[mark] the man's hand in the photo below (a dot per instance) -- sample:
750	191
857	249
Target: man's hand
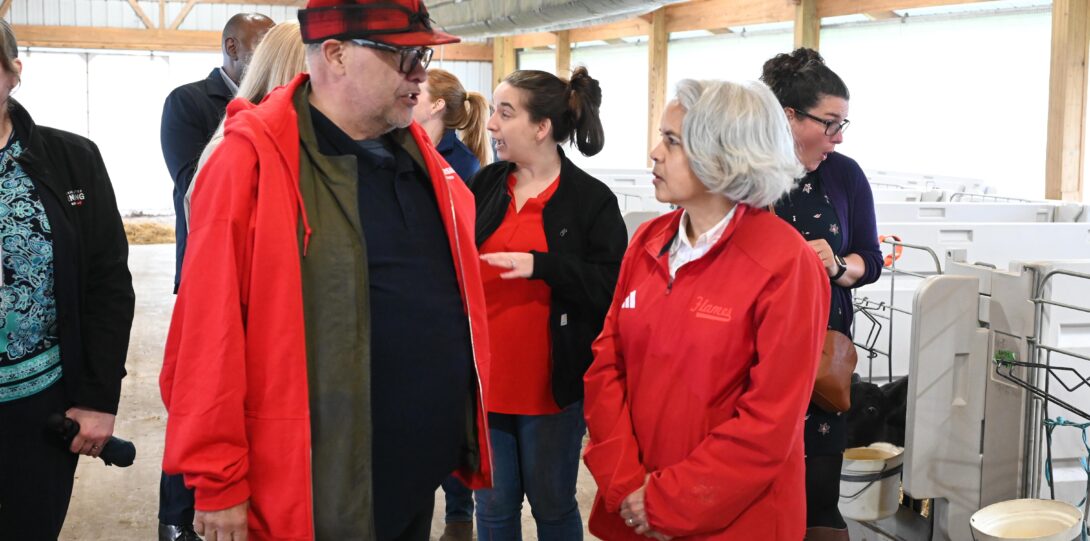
95	429
223	525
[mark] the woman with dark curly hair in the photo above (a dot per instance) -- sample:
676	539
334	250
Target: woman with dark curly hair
832	207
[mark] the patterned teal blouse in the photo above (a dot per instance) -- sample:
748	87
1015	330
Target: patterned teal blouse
30	359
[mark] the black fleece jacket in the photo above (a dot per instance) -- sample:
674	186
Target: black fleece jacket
586	240
92	285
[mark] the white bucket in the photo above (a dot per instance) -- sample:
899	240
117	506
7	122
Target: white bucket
870	481
1027	520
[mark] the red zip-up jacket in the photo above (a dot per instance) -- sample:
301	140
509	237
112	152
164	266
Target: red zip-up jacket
699	384
234	378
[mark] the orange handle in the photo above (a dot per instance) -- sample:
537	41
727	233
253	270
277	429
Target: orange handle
897	250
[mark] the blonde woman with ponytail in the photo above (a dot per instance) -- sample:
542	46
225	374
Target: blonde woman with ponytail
455	119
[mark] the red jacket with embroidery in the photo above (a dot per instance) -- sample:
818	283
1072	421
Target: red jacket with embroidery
234	377
702	383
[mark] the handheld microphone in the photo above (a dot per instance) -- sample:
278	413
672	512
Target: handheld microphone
116	452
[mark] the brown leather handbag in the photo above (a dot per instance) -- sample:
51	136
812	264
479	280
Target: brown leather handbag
833	387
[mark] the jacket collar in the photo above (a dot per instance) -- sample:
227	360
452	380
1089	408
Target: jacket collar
567	171
659	241
35	160
216	85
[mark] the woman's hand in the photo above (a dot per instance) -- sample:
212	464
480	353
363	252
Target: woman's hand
518	264
224	525
825	252
634	513
95	429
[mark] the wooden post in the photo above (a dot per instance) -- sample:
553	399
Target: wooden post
1065	151
183	14
504	59
563	54
140	14
807	24
656	76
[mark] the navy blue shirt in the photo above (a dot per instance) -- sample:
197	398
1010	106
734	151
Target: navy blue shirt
458	155
421	357
849	193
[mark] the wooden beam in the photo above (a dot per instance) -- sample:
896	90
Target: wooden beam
183	14
162	14
80	37
533	41
85	37
656	76
882	15
1066	146
464	52
140	13
620	29
807	24
833	8
708	14
504	59
704	14
717	15
4	7
563	54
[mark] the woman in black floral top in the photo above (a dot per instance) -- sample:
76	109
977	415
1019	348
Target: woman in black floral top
832	207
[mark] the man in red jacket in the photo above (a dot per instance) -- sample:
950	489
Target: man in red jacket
326	358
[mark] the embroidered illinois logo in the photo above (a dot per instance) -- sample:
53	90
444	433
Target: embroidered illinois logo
704	309
76	197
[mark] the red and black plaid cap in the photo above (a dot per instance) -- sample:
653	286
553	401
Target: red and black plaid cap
404	23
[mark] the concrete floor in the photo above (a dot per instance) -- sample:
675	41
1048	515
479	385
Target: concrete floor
114	504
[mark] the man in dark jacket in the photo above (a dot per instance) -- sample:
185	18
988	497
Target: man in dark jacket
191	114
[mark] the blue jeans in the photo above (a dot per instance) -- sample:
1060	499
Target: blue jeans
459	500
536	456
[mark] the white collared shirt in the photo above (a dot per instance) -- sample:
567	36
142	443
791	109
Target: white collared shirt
230	84
682	253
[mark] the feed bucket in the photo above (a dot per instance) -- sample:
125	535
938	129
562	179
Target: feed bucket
1027	520
870	481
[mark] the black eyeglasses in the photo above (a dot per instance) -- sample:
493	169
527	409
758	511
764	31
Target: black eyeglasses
832	127
410	56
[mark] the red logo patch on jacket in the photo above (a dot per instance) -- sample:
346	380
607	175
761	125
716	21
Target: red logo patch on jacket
703	308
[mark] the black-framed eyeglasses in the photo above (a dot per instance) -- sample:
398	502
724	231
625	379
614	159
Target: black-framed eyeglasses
410	56
832	127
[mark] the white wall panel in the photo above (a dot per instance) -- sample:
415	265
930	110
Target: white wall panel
54	89
70	11
98	12
35	14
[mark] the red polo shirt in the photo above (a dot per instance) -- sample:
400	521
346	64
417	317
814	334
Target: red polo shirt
518	315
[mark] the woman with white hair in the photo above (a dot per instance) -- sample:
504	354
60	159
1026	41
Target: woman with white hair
704	369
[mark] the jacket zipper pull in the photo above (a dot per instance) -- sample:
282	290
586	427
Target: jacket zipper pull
670	285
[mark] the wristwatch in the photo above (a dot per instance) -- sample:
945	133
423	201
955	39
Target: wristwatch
842	267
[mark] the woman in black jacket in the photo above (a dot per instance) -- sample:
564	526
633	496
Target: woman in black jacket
66	303
552	239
